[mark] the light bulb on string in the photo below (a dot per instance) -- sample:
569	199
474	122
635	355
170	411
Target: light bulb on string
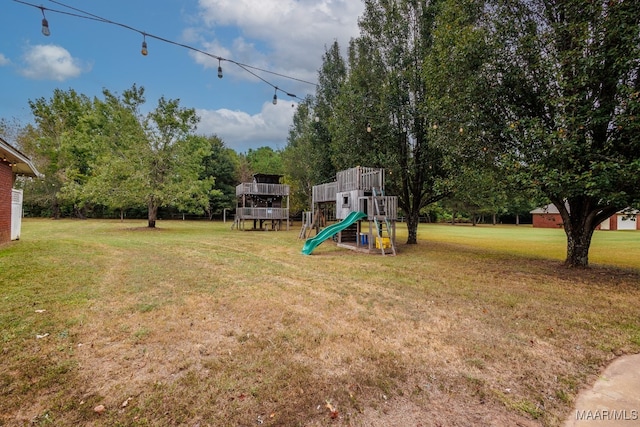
45	25
369	127
144	50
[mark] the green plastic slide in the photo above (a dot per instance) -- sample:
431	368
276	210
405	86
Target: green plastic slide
311	243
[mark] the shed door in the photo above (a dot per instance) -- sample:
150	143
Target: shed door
16	213
626	222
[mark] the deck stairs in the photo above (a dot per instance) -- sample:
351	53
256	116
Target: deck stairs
382	225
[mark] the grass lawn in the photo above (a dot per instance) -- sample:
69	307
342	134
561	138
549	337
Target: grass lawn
108	323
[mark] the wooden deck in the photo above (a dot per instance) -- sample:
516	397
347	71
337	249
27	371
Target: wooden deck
262	213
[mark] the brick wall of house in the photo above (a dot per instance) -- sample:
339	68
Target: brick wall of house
6	184
547	220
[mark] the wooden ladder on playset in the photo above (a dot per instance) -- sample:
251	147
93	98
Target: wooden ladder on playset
384	240
307	225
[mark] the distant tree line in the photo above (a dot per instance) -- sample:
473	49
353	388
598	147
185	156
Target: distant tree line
102	157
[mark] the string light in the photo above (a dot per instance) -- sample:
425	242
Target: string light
369	127
45	24
144	50
246	67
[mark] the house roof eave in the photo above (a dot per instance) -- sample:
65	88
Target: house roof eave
21	165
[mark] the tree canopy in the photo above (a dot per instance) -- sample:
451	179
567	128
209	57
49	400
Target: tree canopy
566	78
487	102
394	104
106	152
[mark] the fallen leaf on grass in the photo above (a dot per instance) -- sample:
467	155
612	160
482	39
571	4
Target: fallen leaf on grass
333	412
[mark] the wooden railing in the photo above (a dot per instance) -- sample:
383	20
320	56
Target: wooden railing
262	188
325	192
388	206
360	178
262	213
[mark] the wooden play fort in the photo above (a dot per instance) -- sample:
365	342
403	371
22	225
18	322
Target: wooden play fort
263	202
365	216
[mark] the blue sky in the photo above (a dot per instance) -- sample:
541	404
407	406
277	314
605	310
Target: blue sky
287	37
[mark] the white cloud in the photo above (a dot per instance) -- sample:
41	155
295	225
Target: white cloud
287	37
241	131
50	62
211	47
295	32
4	60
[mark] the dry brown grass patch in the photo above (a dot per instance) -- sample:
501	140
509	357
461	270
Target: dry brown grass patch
199	325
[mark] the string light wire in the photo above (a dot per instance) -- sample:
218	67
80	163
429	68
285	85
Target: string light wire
79	13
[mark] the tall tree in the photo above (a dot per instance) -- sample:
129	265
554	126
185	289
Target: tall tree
59	154
391	112
155	158
115	126
220	165
331	78
10	130
308	157
567	78
300	169
265	160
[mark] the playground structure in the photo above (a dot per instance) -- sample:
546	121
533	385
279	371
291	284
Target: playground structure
265	201
366	216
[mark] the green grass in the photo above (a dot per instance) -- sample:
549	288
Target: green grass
193	323
613	248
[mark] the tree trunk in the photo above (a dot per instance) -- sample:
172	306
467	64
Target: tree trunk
578	225
413	219
80	212
153	214
578	243
580	218
55	209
